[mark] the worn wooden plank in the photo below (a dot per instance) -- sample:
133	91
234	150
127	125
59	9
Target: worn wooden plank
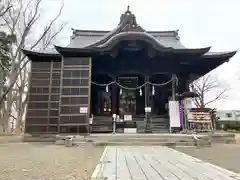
123	171
144	164
160	167
186	165
133	164
109	161
199	166
164	158
178	167
159	163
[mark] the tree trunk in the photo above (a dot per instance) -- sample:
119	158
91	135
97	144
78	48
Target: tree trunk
9	102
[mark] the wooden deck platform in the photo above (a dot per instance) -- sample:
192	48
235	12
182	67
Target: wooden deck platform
155	163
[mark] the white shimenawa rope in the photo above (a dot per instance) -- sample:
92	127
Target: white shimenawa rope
138	87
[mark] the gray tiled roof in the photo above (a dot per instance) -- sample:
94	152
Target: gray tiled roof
81	38
128	28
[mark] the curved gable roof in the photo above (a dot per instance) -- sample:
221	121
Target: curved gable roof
88	42
84	38
128	23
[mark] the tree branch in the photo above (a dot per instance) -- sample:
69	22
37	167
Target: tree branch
47	29
4	8
204	85
217	97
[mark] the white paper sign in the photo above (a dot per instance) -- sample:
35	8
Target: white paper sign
83	110
91	120
148	109
130	130
127	117
174	114
187	103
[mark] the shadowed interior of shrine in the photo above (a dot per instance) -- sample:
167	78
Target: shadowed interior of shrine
120	84
128	98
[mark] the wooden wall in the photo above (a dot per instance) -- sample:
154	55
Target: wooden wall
57	91
75	92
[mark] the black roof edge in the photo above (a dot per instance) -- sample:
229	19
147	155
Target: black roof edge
61	49
35	53
199	51
229	55
196	51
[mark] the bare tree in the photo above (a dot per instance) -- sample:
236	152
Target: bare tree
5	6
51	36
209	90
22	21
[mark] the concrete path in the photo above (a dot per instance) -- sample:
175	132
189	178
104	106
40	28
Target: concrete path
155	163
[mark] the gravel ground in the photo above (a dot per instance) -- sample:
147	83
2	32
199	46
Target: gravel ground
223	155
25	161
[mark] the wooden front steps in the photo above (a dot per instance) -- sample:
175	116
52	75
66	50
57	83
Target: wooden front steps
170	140
102	124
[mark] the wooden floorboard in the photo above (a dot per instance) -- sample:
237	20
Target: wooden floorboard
158	163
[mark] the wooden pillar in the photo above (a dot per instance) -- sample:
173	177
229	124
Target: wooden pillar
174	87
114	98
146	92
148	128
183	85
187	88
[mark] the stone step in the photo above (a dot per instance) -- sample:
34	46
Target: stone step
136	143
159	127
102	129
163	131
150	140
166	128
102	118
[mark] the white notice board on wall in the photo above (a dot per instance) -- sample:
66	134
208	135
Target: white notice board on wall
174	114
83	110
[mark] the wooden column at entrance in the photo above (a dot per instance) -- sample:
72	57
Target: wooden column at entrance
114	98
174	87
148	128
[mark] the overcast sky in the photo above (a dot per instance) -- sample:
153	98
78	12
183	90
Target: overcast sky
202	23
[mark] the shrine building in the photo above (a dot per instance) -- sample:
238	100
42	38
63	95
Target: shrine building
123	71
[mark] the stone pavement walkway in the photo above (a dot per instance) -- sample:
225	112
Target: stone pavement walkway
155	163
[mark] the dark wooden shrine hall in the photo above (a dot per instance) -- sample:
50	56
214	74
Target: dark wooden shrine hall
101	73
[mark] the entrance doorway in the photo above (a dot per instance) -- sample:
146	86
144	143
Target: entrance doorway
101	96
127	96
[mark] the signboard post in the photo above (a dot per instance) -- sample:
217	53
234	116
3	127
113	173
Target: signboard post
114	123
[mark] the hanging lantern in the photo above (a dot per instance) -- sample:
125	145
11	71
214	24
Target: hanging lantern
120	91
107	88
153	90
140	92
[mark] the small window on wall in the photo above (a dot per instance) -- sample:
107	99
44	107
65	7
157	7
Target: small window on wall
228	115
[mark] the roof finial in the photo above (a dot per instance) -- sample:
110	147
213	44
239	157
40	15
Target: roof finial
128	8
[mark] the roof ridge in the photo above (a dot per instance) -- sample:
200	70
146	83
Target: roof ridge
106	31
101	33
